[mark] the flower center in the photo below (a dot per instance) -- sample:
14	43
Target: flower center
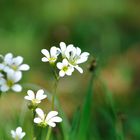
52	59
65	68
35	101
14	67
43	124
10	83
17	137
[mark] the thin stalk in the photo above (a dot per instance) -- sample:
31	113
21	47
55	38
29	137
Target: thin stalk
49	133
53	100
34	131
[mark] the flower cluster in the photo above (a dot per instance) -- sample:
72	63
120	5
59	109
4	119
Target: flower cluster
71	58
11	72
42	119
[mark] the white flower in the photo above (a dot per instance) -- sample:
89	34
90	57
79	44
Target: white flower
75	57
17	134
14	63
50	119
10	83
52	56
65	68
35	99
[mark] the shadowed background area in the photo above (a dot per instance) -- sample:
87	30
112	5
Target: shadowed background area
108	29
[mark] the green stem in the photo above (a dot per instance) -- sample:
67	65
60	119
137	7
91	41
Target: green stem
34	137
49	133
53	102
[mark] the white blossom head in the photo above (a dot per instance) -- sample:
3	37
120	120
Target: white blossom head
75	57
11	82
51	56
35	99
50	119
18	134
14	63
65	68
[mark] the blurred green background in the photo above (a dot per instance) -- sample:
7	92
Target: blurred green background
108	29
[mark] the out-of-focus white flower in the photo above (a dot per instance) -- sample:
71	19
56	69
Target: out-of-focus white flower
35	99
75	57
65	68
18	134
15	63
10	83
51	56
50	119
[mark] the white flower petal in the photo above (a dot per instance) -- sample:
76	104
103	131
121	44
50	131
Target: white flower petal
24	67
79	69
18	131
17	60
22	135
45	59
56	119
2	81
5	88
8	58
37	120
61	73
46	53
81	60
14	76
59	65
40	113
31	94
69	71
71	50
65	62
85	54
63	49
2	66
52	124
28	98
62	46
50	115
17	88
17	76
54	52
13	133
7	69
40	95
78	51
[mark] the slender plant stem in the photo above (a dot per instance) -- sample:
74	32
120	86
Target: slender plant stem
34	137
53	101
49	133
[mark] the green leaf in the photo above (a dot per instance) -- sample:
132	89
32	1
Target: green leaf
86	113
75	124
